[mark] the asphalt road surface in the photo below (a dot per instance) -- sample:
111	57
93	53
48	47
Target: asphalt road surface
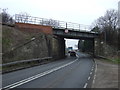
72	72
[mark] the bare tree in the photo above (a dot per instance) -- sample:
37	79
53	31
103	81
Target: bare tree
108	25
6	18
109	20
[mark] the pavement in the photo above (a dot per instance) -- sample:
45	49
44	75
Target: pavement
72	72
106	75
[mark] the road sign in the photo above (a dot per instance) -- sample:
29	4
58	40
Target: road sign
66	31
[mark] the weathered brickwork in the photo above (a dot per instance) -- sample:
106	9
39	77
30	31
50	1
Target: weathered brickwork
34	28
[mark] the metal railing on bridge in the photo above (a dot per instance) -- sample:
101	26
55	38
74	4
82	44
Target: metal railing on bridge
50	22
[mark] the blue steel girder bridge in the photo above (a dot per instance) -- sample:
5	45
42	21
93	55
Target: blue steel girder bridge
60	28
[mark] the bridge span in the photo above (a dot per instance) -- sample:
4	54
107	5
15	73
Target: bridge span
58	29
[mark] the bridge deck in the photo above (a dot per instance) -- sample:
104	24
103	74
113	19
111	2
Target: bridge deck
74	34
57	27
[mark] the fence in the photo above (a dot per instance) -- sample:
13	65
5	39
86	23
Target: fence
50	22
25	61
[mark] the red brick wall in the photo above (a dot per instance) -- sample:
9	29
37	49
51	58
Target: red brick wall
34	28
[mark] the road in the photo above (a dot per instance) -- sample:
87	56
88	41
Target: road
72	72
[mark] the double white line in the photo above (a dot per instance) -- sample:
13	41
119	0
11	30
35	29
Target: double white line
36	76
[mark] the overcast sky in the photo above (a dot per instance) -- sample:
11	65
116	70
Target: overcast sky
77	11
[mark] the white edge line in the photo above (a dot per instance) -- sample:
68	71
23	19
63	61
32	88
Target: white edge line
93	81
36	76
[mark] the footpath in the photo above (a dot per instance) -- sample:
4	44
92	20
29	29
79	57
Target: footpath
106	75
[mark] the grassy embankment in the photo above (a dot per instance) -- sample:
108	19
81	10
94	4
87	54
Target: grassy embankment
12	40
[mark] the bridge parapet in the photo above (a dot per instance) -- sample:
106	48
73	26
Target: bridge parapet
50	22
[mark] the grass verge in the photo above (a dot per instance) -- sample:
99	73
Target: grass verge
114	61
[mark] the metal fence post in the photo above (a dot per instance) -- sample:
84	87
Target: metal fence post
66	25
79	27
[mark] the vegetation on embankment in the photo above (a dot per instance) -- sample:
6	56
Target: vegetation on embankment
12	37
22	45
112	60
115	60
108	43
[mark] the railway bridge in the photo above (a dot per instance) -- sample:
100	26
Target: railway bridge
58	29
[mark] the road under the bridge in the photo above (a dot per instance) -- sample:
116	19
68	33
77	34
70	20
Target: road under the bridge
71	72
60	47
56	45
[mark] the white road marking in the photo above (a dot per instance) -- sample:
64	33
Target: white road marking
77	56
96	68
90	73
89	78
36	76
94	79
85	85
95	75
92	69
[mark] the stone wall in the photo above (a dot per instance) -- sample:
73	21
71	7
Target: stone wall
38	48
58	47
22	44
